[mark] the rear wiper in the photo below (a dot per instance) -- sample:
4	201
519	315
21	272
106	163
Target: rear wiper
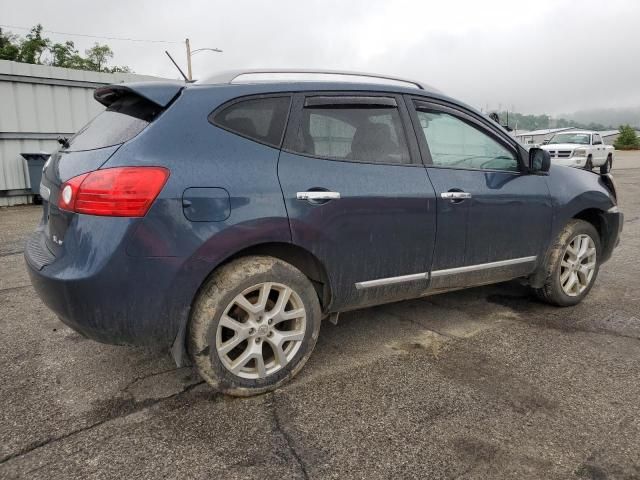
64	141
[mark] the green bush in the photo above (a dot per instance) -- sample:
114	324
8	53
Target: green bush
628	139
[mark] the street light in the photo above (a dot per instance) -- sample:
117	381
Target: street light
191	53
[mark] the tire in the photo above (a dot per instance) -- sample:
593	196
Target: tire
606	168
234	348
589	164
558	263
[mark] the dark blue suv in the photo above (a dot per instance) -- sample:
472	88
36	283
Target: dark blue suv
227	217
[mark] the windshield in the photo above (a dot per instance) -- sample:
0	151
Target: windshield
579	138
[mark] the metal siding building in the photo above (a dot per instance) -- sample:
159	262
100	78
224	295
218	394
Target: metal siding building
536	137
38	103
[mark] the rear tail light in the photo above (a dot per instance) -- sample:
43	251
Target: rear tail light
115	192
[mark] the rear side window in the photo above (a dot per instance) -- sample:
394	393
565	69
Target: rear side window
353	132
121	121
259	119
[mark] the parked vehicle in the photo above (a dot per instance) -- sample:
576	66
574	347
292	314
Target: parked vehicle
228	217
582	149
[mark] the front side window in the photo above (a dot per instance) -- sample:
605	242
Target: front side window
260	119
353	132
597	140
454	143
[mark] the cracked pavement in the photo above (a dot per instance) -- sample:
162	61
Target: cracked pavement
483	383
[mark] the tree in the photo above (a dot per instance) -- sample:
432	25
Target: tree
9	48
32	48
98	56
35	48
120	69
66	55
627	139
537	122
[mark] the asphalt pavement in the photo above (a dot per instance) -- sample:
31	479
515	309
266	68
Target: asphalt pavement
483	383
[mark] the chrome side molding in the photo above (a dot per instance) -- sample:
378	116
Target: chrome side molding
392	280
380	282
482	266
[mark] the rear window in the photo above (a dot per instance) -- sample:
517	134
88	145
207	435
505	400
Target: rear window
121	121
259	119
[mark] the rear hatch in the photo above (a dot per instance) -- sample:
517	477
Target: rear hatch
130	109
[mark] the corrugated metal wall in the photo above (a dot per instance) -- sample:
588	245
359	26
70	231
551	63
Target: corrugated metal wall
37	104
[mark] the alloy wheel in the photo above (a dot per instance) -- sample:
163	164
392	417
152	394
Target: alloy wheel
261	330
578	265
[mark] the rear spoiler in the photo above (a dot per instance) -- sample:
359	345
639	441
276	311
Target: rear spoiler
158	93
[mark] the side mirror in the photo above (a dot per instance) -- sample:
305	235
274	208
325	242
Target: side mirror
539	160
546	142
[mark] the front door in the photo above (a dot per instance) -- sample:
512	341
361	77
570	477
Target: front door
494	219
358	197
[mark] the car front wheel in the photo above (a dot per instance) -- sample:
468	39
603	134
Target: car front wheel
254	325
572	265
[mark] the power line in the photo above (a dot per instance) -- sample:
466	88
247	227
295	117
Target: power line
101	37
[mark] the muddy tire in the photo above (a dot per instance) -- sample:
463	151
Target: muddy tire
572	265
254	324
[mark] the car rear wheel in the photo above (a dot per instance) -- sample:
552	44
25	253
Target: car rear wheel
253	326
572	265
606	168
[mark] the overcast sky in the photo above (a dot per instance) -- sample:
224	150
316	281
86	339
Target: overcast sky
538	56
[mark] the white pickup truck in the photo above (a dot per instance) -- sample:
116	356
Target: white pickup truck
582	149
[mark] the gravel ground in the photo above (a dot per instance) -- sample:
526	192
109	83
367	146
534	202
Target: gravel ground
484	383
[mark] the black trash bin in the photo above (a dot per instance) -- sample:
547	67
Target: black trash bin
35	164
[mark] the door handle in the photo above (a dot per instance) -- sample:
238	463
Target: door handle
453	196
318	195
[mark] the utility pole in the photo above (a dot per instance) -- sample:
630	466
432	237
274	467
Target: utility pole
189	74
191	53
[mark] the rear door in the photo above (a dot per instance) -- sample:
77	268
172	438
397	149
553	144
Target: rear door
494	219
358	196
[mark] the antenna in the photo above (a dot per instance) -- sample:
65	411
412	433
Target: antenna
179	69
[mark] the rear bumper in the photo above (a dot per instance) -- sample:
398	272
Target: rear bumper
100	309
108	296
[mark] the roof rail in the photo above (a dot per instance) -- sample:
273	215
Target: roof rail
233	76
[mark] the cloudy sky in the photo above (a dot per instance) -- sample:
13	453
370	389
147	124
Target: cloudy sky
542	56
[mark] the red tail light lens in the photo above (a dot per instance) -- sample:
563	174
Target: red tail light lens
114	192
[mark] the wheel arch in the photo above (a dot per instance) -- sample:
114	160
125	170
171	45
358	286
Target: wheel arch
593	216
300	258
